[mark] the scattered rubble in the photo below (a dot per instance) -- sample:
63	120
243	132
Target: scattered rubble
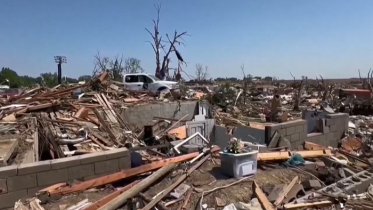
181	164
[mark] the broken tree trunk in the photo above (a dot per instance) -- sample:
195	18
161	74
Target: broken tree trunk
122	199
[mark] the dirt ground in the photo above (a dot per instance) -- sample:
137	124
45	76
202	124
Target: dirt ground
207	177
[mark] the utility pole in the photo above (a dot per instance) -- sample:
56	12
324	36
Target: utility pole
59	60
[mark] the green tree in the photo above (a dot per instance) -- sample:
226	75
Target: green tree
9	76
27	81
49	79
132	65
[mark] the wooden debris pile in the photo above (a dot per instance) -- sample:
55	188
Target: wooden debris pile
74	119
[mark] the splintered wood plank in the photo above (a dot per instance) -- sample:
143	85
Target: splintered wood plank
262	197
114	177
287	189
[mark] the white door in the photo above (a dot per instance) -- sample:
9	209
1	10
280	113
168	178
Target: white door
133	83
149	83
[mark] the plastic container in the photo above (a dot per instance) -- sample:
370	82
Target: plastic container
239	165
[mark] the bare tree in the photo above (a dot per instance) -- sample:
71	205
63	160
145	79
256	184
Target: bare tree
114	66
325	87
366	83
298	93
201	72
101	63
245	82
132	65
162	70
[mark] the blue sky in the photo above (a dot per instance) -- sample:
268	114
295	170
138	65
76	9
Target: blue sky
270	37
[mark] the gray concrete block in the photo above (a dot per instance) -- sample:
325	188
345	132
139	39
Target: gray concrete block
16	183
274	140
52	177
78	172
294	137
329	136
256	135
326	129
303	135
284	142
221	136
282	132
299	128
333	128
273	128
32	191
125	162
305	128
293	123
7	200
333	143
65	162
338	135
322	138
336	115
290	130
329	122
298	145
117	153
35	167
93	157
96	176
3	186
339	121
107	166
8	171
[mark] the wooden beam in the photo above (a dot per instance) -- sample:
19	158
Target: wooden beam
104	180
96	205
262	197
271	156
313	146
168	190
306	205
145	183
161	205
284	192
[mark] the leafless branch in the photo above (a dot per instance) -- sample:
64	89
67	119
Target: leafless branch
156	44
201	72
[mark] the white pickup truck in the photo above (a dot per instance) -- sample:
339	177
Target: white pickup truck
144	81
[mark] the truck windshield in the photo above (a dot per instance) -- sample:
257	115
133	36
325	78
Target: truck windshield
153	77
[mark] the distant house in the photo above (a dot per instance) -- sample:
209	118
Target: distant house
266	88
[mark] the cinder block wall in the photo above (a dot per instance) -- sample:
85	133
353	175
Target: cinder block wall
140	115
296	131
334	127
24	180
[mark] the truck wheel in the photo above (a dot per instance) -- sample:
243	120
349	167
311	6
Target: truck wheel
161	88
